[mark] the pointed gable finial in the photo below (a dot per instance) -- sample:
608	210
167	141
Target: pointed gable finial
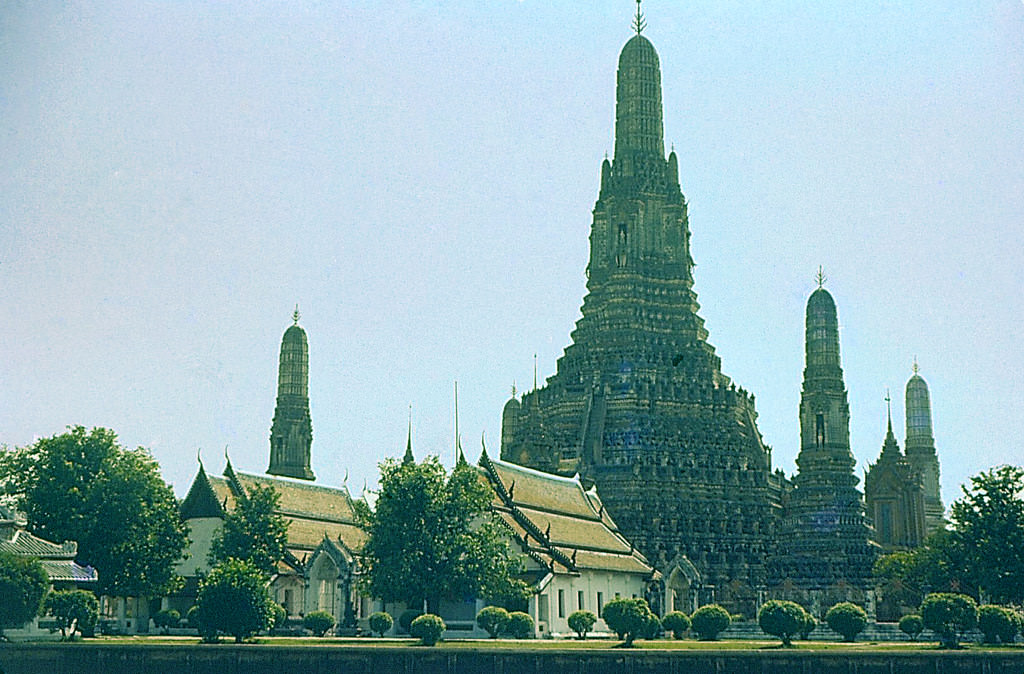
199	457
638	21
409	458
821	278
888	408
296	315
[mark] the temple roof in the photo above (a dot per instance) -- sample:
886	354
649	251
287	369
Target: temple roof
312	511
57	559
557	522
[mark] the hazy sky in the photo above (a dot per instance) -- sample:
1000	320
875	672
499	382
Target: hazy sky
419	176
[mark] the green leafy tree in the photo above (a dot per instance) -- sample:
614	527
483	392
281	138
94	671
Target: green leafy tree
520	625
406	618
676	622
912	625
783	619
988	526
74	610
253	531
628	618
581	622
949	616
380	622
232	599
999	624
492	619
23	586
85	487
903	578
710	621
318	622
847	619
428	628
433	536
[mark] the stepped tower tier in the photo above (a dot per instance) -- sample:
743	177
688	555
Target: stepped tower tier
921	448
639	403
291	433
825	532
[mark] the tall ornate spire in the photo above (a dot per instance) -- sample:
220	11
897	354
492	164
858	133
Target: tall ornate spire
291	433
920	446
638	115
825	520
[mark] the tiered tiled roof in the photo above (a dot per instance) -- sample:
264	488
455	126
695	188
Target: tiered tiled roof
312	511
559	524
57	559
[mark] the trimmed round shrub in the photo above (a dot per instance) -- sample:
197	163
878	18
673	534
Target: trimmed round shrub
166	619
782	619
406	618
428	628
279	616
380	622
847	619
676	622
318	622
807	626
912	626
949	616
520	625
710	621
629	618
581	622
998	624
492	619
653	628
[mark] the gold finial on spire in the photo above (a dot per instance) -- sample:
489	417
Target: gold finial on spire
514	391
296	315
638	21
916	367
821	278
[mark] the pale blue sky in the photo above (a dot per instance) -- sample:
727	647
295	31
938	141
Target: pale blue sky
418	177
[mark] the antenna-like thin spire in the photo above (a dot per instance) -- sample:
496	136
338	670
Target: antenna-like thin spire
458	440
534	372
296	315
821	278
638	21
409	458
888	408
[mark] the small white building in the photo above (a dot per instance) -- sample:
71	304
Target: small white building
319	570
576	558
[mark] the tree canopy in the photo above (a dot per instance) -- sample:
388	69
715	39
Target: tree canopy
84	486
988	528
23	585
253	531
233	599
983	552
432	535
